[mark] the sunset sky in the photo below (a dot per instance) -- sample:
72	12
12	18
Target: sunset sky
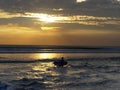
60	22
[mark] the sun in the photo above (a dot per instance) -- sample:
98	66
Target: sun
46	18
78	1
43	17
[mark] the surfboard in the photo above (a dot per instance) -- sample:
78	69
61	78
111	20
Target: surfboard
60	63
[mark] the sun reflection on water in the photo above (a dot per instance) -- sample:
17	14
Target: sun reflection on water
47	68
47	55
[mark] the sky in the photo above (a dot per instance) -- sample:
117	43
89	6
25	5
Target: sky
60	22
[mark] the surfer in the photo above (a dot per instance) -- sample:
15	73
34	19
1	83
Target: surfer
60	63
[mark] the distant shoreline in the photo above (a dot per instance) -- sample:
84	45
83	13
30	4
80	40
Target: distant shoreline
57	47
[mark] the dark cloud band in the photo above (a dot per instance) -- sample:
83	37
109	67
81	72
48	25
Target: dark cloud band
70	7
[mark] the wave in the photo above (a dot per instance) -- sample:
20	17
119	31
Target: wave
117	58
17	61
61	51
84	84
57	49
39	84
23	84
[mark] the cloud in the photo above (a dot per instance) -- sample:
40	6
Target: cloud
90	14
69	7
9	15
21	22
66	23
33	5
99	8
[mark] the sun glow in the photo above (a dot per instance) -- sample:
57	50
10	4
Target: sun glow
43	17
47	21
46	17
50	28
78	1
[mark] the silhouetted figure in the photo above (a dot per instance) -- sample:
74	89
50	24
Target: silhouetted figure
60	63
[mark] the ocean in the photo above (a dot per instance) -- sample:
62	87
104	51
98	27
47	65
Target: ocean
32	68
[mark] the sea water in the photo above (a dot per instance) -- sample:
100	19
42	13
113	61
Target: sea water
33	69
